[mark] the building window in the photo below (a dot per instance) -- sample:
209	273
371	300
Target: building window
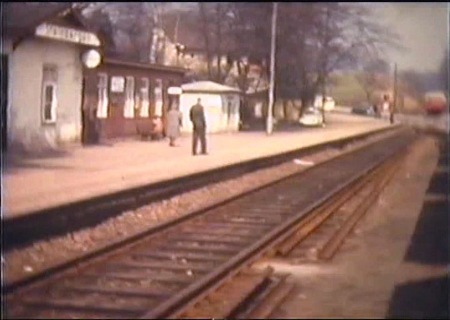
49	97
128	111
258	110
158	98
102	107
144	98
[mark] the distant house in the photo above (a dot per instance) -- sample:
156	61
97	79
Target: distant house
186	47
221	105
42	74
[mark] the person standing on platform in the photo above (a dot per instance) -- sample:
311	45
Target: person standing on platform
388	109
322	110
391	113
197	117
173	124
376	113
385	107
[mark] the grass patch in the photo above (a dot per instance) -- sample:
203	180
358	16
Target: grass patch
347	90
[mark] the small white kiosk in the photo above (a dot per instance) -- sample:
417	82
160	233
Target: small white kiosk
221	104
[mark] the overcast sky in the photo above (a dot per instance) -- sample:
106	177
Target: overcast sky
424	29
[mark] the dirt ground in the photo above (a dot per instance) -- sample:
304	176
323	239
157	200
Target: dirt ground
396	263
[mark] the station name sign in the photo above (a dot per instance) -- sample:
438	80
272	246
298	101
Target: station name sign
67	34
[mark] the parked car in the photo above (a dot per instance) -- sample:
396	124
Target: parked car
312	117
329	103
364	110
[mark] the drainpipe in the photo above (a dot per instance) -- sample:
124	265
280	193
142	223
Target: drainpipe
269	126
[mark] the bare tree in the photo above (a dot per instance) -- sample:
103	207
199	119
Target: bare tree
216	29
325	37
249	35
295	52
238	31
219	39
206	34
372	77
138	22
102	24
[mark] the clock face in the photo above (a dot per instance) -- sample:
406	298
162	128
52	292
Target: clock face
91	58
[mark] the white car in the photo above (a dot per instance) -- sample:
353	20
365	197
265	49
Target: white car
330	104
312	117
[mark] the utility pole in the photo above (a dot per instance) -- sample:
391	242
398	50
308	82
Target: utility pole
175	40
269	126
394	103
395	87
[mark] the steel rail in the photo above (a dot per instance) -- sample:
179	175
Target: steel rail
342	161
263	308
8	287
47	223
272	238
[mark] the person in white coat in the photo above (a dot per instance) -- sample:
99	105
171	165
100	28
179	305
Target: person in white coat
173	124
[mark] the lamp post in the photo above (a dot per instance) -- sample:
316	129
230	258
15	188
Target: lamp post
269	126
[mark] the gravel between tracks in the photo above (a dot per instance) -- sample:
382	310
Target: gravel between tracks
388	268
41	255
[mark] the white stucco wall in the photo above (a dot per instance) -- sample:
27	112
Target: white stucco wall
215	106
25	127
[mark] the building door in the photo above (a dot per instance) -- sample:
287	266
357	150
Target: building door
4	101
89	134
84	113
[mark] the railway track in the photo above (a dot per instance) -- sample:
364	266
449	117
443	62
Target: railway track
157	276
325	229
317	237
47	223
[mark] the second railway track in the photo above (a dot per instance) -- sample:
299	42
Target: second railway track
157	275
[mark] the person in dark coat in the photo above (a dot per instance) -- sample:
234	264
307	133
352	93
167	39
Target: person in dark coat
375	110
391	113
173	121
388	108
197	117
91	126
322	110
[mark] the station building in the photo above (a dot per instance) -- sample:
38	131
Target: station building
42	75
125	99
54	94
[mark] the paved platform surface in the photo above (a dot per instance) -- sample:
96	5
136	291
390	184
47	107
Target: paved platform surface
77	173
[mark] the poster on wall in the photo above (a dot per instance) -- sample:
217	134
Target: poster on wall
258	110
117	84
158	98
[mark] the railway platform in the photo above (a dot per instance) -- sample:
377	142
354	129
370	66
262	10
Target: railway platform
80	173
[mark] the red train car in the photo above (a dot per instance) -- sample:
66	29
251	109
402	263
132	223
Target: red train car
435	102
